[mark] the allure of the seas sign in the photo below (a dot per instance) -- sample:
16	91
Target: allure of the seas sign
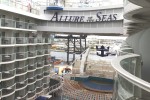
98	18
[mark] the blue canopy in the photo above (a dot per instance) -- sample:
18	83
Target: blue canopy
54	8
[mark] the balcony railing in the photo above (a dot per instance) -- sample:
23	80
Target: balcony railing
21	84
39	76
21	94
46	85
46	68
47	51
31	74
31	40
7	40
129	85
46	73
16	24
39	83
21	55
40	52
31	53
31	93
21	40
8	74
32	79
21	70
7	83
39	71
47	40
8	57
21	78
46	62
32	66
40	64
40	40
6	91
46	80
39	89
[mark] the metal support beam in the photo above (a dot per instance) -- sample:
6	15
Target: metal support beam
85	43
68	51
74	49
80	45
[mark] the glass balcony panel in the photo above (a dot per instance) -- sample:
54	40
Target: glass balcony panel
6	67
46	68
21	84
21	40
31	74
47	51
21	78
46	80
31	40
46	85
32	79
10	97
8	57
31	26
39	83
8	90
7	22
46	73
7	40
128	91
21	94
8	83
47	40
40	64
130	65
21	55
21	70
32	66
31	53
8	74
39	89
22	98
125	88
40	76
20	24
39	40
31	94
40	52
31	87
39	71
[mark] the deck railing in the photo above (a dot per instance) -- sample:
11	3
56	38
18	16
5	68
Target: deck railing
128	82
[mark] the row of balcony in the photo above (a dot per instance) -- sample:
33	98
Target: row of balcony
23	40
22	55
29	91
6	75
4	22
7	87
